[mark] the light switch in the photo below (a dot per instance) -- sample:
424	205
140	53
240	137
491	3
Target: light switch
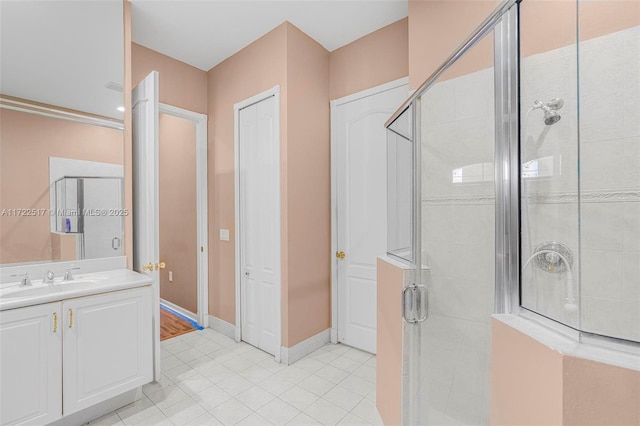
170	276
224	235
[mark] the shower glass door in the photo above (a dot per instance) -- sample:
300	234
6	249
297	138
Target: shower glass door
446	379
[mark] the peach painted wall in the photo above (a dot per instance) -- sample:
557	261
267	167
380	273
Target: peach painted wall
178	225
307	222
30	139
289	58
437	28
390	279
181	85
254	69
526	379
533	384
374	59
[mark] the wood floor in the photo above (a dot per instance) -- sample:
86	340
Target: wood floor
172	325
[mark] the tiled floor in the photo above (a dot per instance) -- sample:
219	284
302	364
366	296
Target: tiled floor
208	379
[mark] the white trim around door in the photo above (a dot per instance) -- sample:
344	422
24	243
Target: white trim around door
273	92
200	121
334	189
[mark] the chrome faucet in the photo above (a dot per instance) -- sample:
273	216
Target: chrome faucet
48	277
24	279
68	276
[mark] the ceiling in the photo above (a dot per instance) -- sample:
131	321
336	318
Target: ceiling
63	53
206	32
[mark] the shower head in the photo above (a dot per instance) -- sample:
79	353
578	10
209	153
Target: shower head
551	117
550	110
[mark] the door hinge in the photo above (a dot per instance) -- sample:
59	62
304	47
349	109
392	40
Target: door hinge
415	303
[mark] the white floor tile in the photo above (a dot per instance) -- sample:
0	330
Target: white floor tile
342	398
316	385
206	419
353	420
170	362
158	419
208	347
179	373
325	412
137	411
235	384
254	420
202	370
276	385
293	374
173	346
152	387
217	373
299	398
367	410
278	412
303	420
337	349
184	411
194	384
357	355
231	412
367	373
256	373
238	364
309	364
255	397
111	419
324	356
202	363
165	398
332	374
357	385
211	397
272	366
346	364
256	356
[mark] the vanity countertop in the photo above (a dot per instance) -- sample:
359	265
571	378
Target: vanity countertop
12	296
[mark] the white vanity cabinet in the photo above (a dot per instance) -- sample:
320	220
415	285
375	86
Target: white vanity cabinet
31	365
107	346
59	358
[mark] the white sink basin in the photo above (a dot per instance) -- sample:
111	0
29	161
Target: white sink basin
49	288
31	291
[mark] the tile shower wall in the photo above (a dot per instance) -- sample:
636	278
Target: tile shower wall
602	224
458	245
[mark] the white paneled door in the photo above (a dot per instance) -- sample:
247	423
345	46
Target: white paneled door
259	218
146	228
360	226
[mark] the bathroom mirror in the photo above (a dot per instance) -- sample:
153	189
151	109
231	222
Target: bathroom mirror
61	97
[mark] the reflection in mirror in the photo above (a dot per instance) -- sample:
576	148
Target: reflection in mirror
61	109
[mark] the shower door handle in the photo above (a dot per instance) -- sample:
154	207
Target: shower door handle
415	306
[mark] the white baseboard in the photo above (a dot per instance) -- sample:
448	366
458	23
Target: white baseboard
222	327
179	310
295	353
334	336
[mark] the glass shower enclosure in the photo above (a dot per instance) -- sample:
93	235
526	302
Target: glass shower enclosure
516	168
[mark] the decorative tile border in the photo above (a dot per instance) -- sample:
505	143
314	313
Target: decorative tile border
553	198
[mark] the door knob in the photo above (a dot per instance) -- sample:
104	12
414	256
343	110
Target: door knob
160	265
340	254
147	267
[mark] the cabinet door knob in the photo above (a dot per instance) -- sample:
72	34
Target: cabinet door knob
70	318
55	322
